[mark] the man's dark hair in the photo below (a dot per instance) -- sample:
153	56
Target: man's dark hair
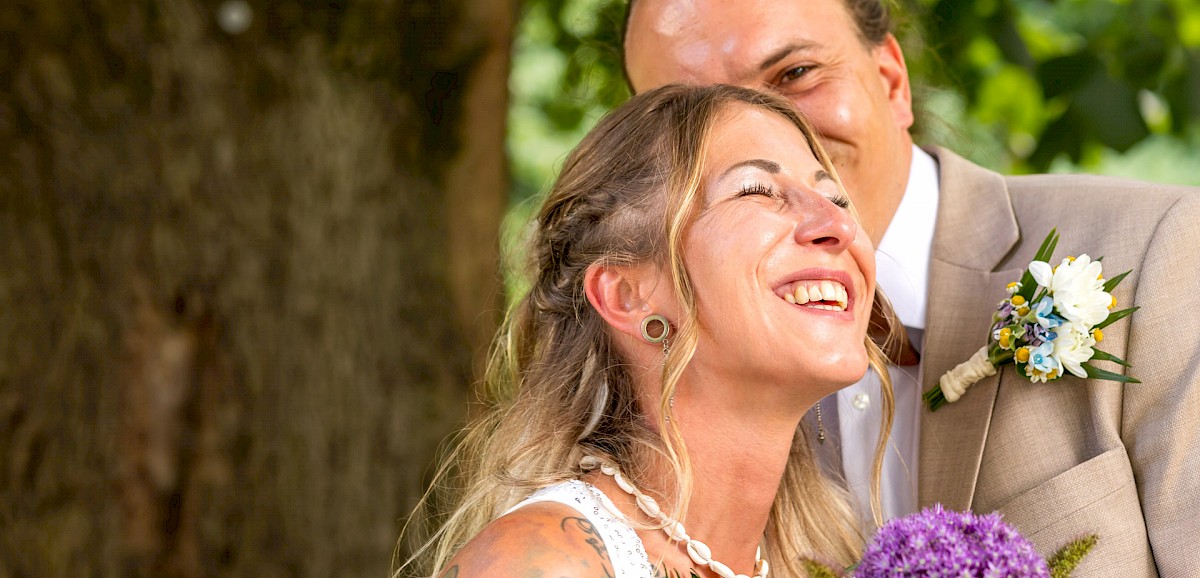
873	18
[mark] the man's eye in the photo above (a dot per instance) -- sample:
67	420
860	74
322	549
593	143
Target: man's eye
794	74
756	189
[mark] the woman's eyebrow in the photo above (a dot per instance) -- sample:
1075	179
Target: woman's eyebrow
822	175
764	164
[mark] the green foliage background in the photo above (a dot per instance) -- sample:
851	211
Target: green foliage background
1102	86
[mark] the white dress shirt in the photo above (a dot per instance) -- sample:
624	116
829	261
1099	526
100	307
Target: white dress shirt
902	271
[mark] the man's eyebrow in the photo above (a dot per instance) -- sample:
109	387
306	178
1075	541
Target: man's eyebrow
774	58
764	164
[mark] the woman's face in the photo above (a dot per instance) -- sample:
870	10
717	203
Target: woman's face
783	276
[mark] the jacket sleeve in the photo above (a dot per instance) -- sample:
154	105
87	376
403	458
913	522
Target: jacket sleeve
1160	422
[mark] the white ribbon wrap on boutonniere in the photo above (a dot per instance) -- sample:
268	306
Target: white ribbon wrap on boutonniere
956	381
1048	326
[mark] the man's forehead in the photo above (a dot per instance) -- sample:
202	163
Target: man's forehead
742	35
670	17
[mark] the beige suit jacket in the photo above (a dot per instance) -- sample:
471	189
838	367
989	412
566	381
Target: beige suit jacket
1074	456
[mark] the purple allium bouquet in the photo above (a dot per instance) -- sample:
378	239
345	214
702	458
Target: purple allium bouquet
938	543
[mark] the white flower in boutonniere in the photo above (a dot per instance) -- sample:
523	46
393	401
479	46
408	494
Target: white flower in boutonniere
1050	324
1077	286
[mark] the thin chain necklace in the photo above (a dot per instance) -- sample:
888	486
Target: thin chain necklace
698	551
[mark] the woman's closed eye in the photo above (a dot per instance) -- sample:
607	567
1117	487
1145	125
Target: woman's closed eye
841	201
756	189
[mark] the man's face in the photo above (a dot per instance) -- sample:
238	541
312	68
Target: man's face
856	95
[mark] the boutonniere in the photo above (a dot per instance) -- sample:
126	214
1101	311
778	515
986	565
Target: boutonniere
1049	325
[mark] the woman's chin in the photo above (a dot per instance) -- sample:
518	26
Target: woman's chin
845	372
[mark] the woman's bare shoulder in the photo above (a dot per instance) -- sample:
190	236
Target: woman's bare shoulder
542	540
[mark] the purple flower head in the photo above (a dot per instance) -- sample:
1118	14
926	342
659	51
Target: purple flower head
1006	309
1035	334
938	543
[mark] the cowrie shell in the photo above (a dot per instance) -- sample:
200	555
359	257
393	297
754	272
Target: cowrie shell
720	569
625	485
608	469
588	463
648	505
676	532
699	552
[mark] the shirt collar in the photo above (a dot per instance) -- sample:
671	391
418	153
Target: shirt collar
902	258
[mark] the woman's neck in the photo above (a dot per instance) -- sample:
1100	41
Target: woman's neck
738	459
738	462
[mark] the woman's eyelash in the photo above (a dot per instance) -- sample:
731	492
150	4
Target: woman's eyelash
756	189
841	201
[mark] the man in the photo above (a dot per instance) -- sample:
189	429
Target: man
1059	460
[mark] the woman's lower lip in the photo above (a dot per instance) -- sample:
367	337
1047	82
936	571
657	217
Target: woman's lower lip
847	312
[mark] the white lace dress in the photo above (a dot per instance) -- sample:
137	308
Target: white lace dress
625	549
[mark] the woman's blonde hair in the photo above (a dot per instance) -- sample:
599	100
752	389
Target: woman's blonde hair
557	387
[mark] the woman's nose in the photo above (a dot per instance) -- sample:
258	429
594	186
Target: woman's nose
825	225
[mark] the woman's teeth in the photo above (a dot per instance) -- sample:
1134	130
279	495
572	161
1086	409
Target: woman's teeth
827	295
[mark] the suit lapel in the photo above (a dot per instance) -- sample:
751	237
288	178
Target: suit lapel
952	438
975	230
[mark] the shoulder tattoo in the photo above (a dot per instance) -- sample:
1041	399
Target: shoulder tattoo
573	525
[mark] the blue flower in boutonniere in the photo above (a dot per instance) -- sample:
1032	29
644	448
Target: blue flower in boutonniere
1049	325
1046	318
1042	364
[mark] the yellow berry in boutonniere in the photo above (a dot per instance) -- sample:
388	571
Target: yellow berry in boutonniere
1098	335
1018	301
1022	355
1006	338
1023	311
1114	302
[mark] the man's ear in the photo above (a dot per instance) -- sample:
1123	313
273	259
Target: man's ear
893	72
621	295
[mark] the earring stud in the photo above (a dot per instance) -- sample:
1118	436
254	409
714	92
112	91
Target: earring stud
652	319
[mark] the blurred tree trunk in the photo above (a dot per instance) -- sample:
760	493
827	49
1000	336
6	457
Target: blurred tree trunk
247	260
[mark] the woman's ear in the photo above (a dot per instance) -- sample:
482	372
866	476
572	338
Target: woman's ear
622	295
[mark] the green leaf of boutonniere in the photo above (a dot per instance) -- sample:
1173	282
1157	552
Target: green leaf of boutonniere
1114	317
1028	286
1112	282
1097	373
1106	356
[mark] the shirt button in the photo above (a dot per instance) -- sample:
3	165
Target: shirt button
861	401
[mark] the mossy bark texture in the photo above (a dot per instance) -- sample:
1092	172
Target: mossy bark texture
247	265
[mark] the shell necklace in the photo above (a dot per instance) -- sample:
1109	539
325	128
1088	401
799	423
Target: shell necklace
698	551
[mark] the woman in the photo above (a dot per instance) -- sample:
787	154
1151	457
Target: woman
699	283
